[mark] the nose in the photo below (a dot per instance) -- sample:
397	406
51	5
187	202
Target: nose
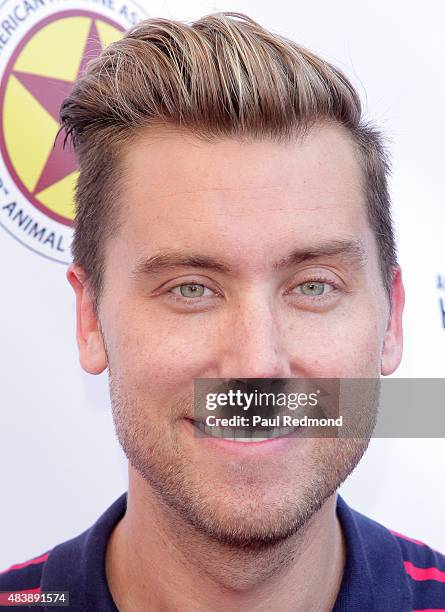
254	343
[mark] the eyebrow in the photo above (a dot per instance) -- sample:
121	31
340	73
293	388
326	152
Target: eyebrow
351	250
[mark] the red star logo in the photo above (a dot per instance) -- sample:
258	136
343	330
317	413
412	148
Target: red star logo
50	93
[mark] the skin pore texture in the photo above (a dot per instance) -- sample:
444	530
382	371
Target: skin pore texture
222	526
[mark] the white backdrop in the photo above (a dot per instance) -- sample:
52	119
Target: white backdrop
61	465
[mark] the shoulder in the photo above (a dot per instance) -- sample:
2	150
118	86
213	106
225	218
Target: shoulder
24	576
76	566
425	569
405	573
416	552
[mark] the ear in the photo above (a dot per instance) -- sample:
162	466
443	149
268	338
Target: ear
393	341
93	358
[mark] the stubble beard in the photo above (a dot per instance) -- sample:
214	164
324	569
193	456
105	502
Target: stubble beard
240	518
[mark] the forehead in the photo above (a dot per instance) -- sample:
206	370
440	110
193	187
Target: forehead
243	198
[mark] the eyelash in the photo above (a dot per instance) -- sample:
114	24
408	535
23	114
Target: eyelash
311	279
184	300
318	279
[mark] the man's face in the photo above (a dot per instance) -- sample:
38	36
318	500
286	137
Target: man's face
226	217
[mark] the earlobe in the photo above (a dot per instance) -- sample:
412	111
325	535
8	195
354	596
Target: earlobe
92	355
393	341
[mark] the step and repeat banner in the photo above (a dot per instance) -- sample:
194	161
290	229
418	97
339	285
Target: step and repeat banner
60	463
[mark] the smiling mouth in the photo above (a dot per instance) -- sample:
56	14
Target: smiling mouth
239	434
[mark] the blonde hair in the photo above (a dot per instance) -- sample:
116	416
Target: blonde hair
221	76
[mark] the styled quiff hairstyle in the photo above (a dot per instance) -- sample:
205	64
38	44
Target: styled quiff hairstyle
221	76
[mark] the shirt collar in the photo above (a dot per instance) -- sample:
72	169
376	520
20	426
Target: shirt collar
78	565
374	578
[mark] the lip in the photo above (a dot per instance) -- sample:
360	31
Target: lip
226	445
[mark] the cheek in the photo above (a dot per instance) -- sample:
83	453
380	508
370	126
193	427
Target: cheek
160	353
355	357
344	345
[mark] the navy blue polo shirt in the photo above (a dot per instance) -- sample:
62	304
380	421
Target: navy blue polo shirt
384	571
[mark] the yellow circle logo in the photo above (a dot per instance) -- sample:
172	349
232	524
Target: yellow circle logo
38	77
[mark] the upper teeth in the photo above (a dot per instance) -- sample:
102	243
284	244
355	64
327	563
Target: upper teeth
243	435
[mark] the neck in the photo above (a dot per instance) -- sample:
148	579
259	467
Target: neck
154	561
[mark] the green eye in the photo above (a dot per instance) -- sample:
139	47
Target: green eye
190	291
312	288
